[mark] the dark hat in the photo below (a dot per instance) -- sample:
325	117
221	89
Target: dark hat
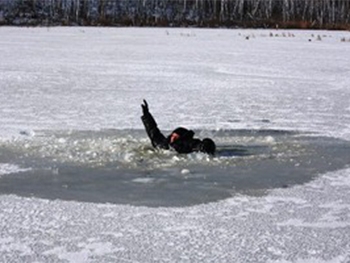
180	131
208	146
183	133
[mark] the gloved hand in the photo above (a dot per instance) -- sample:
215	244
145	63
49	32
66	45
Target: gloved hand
145	108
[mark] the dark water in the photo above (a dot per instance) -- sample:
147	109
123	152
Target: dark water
120	167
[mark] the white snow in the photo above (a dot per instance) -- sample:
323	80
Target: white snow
96	78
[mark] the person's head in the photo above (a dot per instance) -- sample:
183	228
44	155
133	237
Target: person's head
208	146
180	132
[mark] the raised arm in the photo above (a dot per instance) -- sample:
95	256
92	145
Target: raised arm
157	138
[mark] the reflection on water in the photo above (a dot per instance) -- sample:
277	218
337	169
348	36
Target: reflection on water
120	166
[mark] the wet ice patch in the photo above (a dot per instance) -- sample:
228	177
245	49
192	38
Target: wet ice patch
121	166
185	171
143	180
6	168
29	133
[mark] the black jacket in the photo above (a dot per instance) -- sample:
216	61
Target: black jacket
181	139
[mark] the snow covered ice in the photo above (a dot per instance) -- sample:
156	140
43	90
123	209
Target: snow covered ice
66	93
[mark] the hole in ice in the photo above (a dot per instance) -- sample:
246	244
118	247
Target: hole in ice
120	166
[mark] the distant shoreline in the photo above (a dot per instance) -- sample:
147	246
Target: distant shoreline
290	26
272	14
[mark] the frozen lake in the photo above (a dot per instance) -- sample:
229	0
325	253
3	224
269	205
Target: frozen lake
79	181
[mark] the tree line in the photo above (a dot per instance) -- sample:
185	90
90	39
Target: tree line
330	14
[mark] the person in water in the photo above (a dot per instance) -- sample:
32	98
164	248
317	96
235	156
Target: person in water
181	139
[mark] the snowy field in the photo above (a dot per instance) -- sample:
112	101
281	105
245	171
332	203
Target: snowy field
94	79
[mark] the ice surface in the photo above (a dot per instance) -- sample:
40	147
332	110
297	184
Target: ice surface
95	78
